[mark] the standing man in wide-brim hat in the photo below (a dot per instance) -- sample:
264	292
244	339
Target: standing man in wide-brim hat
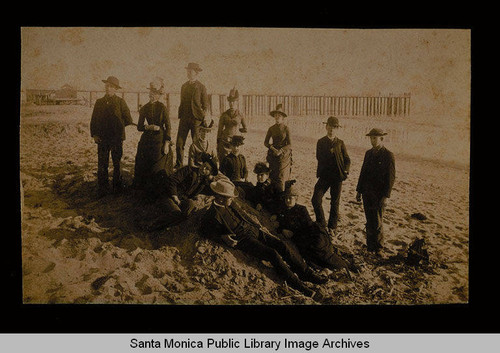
229	123
333	169
376	179
107	127
192	110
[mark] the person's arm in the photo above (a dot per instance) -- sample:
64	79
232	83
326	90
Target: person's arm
142	118
166	123
220	129
391	174
268	137
245	169
287	142
347	159
125	111
243	124
204	100
361	181
94	128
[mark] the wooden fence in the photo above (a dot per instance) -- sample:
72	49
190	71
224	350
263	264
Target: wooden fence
260	105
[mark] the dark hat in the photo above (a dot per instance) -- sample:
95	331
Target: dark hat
291	188
206	127
376	132
278	110
156	86
233	95
332	121
113	80
194	66
260	168
237	140
224	187
208	158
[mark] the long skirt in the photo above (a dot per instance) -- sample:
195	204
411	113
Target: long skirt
280	168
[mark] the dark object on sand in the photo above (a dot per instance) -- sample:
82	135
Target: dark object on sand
419	216
417	253
99	282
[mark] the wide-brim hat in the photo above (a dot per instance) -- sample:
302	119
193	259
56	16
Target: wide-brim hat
233	95
260	168
278	110
237	140
208	158
193	66
224	187
112	80
332	121
376	132
205	127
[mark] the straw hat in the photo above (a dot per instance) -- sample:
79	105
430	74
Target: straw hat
376	132
112	80
278	110
224	187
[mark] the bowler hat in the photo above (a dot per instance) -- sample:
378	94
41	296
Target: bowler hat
224	187
233	95
113	80
332	121
376	132
291	189
260	168
194	66
207	158
237	140
278	110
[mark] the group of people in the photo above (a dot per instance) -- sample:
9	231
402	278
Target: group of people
222	172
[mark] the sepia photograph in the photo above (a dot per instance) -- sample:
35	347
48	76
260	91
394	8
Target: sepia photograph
234	166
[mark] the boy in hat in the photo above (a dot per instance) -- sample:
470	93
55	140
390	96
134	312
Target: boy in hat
200	145
264	194
228	125
279	154
333	169
154	123
234	166
192	109
227	223
107	127
178	191
376	179
311	239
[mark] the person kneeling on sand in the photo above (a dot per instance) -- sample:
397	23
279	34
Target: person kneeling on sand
225	222
311	238
177	191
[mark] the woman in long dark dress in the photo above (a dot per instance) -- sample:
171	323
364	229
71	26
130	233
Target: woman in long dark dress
154	122
279	154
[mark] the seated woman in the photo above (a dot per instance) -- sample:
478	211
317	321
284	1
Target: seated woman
264	195
200	145
234	166
312	240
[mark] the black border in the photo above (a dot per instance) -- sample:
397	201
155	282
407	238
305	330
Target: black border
93	318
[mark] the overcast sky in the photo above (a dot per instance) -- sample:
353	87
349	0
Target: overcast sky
431	64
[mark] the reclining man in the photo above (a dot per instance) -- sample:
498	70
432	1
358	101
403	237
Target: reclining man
225	222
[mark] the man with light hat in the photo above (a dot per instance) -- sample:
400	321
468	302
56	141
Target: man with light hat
192	110
107	127
376	179
333	169
226	222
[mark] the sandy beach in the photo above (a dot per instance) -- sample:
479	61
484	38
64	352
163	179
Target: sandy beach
77	248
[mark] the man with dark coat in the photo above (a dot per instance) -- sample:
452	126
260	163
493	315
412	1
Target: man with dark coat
107	127
376	179
192	109
227	223
333	168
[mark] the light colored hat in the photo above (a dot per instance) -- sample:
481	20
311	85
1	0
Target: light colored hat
113	80
376	132
278	110
224	187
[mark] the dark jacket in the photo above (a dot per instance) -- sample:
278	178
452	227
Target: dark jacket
155	114
333	160
234	167
186	183
194	101
378	173
266	194
109	118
